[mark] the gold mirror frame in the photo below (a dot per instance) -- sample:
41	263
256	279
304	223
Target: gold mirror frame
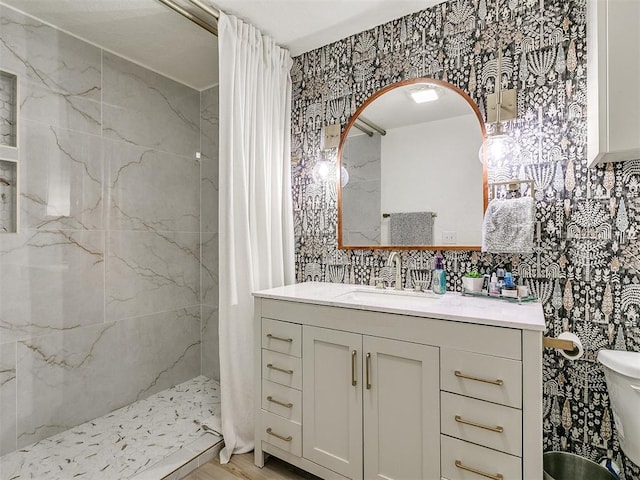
343	138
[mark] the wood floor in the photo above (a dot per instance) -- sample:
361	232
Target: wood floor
242	467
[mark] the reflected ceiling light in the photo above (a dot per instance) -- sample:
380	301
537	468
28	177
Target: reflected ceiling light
423	94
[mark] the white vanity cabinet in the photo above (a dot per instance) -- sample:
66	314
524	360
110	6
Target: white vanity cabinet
281	385
401	408
370	402
613	76
397	394
333	392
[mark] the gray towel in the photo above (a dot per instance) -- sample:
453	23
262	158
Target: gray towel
411	228
509	225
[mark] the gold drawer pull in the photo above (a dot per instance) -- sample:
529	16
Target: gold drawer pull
497	429
283	370
459	374
354	380
277	402
273	337
286	439
497	476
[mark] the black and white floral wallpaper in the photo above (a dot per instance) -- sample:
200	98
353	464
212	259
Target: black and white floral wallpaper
586	265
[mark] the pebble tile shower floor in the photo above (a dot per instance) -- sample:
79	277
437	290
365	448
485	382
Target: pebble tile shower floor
145	440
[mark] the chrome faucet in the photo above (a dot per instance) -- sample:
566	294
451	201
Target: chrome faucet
397	262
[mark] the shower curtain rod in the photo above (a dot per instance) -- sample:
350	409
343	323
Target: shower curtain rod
206	8
194	18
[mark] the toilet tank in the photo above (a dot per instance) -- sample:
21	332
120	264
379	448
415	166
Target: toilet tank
622	372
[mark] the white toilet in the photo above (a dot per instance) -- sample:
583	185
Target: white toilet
622	372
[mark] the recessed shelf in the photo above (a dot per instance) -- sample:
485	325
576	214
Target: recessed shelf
8	109
8	196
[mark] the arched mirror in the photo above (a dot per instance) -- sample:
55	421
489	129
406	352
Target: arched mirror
411	153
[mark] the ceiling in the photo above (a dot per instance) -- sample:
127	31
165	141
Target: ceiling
148	33
303	25
396	109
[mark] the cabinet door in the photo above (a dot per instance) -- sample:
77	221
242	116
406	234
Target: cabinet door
332	404
401	410
613	98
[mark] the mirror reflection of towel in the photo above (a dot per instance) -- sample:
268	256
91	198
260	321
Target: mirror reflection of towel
509	225
411	228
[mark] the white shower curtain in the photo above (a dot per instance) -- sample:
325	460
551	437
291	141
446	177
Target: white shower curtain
256	216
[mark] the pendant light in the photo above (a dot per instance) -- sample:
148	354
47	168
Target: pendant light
326	169
499	149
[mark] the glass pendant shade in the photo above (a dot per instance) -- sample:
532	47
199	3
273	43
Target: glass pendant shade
499	150
324	171
344	176
327	171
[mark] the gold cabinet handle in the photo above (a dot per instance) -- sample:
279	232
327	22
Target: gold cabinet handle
354	380
497	476
368	371
459	374
497	429
278	402
283	370
286	439
282	339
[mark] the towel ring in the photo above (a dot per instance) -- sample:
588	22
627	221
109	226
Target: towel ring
513	186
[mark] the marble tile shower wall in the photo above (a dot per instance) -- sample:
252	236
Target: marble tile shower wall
100	291
585	268
362	154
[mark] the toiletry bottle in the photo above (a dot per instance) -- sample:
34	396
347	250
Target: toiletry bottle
509	289
485	284
508	280
439	277
500	273
493	285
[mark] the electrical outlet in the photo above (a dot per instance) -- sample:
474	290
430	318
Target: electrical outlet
449	238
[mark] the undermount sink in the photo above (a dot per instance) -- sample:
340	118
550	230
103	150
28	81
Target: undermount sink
387	297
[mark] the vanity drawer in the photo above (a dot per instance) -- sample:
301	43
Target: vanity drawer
282	433
458	455
281	400
488	424
283	337
282	369
494	379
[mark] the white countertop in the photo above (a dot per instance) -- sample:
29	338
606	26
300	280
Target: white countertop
450	306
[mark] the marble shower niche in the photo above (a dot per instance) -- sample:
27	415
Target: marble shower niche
8	109
8	196
8	142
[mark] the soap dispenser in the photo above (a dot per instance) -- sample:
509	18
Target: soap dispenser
439	277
